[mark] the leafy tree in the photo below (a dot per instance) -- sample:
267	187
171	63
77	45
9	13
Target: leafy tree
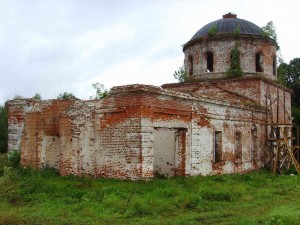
101	91
270	31
37	96
296	115
3	129
281	73
67	96
180	74
293	73
289	75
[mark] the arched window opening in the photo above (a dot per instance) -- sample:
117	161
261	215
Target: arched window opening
190	65
258	62
274	65
209	62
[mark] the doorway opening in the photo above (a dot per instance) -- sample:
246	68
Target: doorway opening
169	151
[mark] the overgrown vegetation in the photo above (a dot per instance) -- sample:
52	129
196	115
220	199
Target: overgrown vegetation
3	129
269	31
289	76
29	196
67	96
180	74
37	96
237	31
101	91
235	69
212	30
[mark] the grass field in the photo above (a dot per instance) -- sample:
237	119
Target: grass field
42	197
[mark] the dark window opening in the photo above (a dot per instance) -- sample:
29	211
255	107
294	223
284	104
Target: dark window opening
209	62
274	65
254	133
238	146
258	62
190	65
218	147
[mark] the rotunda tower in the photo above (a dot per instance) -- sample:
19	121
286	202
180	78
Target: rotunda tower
218	47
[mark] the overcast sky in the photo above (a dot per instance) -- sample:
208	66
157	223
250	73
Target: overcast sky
55	46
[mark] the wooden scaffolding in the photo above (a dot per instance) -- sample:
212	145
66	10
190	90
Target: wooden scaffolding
283	148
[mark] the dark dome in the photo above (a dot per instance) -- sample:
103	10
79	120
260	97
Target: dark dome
229	24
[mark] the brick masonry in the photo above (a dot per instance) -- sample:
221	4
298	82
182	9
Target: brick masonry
114	137
138	131
248	47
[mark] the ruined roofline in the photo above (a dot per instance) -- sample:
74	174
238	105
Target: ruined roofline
239	96
177	94
218	80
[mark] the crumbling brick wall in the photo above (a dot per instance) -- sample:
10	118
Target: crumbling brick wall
16	120
221	47
255	91
114	137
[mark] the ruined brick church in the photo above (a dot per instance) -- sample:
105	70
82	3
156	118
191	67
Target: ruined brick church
210	124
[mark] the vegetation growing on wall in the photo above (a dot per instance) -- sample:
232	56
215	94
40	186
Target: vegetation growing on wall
37	96
180	74
101	91
212	30
237	31
235	69
269	31
67	96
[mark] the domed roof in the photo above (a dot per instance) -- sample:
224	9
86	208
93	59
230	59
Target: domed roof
229	24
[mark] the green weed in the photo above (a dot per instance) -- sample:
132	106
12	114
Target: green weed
30	196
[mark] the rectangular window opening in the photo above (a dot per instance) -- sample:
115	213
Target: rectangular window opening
218	147
238	146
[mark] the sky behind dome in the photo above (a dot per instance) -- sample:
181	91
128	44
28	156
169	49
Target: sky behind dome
55	46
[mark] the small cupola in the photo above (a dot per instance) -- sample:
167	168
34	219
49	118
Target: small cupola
229	16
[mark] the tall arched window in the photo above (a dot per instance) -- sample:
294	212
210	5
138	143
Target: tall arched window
209	62
259	62
274	65
190	65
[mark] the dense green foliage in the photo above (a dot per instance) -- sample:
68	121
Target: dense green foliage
42	197
14	158
67	96
289	76
180	74
212	30
3	129
37	96
235	69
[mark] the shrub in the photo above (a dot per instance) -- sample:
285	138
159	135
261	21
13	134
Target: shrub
212	30
14	158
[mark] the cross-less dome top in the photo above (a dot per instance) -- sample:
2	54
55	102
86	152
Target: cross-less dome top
229	24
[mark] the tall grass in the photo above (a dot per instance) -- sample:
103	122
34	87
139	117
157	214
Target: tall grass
29	196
